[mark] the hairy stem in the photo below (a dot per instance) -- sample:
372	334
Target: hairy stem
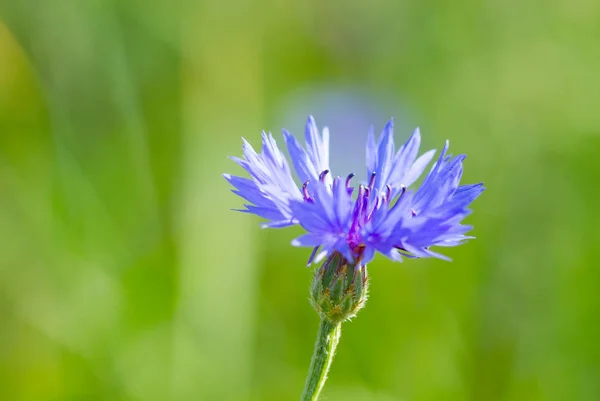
327	340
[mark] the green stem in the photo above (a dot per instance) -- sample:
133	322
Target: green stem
327	340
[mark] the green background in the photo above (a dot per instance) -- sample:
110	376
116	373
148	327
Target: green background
125	276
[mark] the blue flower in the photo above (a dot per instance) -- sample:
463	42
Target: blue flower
382	214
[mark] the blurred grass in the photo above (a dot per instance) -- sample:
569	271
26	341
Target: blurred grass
125	276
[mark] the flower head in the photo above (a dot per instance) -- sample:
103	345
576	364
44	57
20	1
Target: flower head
382	214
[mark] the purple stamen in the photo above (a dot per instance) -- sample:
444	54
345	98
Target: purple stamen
358	206
336	182
388	194
372	180
397	203
402	191
373	209
305	191
323	175
348	179
365	203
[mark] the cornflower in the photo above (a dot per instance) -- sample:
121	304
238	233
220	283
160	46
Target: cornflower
346	224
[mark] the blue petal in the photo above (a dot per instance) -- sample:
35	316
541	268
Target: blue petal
305	168
272	188
317	145
371	153
417	168
404	159
385	156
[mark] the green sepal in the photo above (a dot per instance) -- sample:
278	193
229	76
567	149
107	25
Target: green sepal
339	289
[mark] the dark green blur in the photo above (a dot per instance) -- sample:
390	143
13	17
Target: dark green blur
125	276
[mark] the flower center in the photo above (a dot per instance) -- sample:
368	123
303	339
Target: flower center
367	203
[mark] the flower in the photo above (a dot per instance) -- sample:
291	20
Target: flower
382	214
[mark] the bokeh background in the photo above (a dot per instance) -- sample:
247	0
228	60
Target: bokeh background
125	276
